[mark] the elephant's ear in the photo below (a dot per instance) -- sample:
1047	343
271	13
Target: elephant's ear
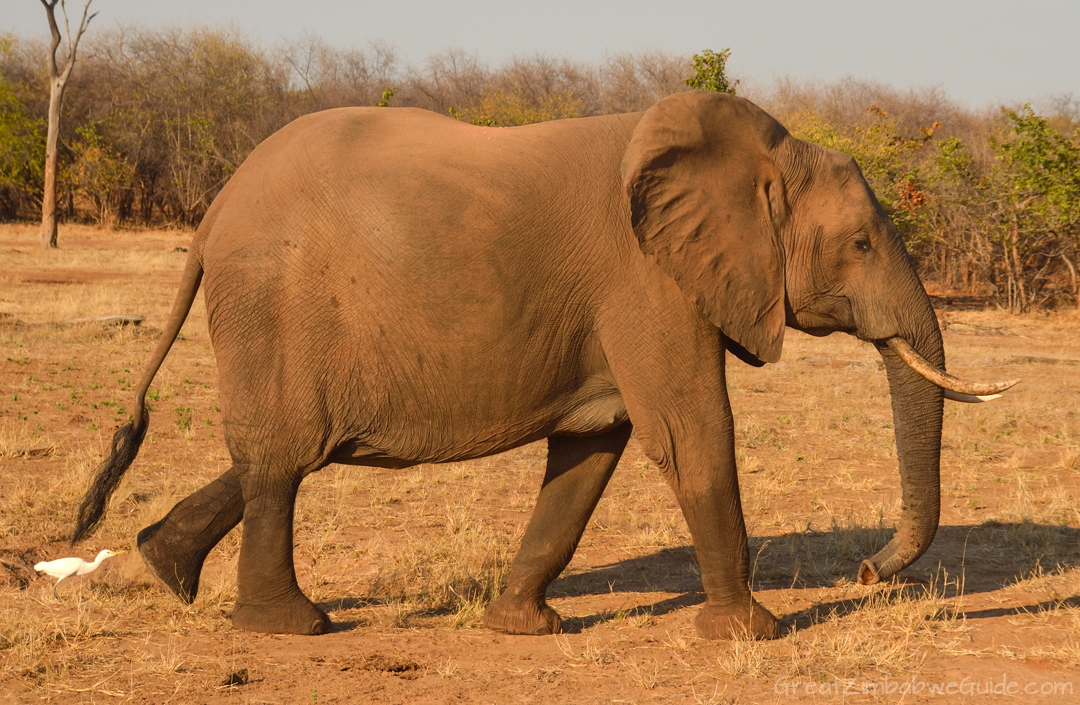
707	202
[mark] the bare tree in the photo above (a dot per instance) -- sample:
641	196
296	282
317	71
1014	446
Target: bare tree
58	79
633	81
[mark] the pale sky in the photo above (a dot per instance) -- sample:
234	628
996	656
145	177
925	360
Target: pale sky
981	53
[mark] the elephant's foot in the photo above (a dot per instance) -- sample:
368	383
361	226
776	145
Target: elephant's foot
175	547
515	615
173	561
750	621
296	616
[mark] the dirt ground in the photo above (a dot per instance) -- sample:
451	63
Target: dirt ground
405	560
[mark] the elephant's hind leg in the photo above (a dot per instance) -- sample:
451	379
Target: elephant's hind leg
269	599
175	547
578	470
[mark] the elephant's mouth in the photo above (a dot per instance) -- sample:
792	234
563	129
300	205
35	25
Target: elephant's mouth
955	388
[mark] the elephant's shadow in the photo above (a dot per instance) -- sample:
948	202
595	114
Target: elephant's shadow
988	557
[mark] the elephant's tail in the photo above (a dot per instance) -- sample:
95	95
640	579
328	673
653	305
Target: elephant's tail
128	438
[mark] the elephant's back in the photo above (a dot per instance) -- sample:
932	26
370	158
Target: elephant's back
409	196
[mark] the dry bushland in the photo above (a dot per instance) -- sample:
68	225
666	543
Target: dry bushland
405	560
988	200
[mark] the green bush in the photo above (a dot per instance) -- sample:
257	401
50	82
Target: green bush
710	72
22	153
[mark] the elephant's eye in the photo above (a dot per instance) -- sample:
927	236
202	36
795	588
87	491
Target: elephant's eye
862	244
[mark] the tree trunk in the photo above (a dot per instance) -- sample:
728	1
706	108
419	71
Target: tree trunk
1017	297
1075	281
58	79
48	199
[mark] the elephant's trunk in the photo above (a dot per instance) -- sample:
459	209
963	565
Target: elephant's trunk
917	409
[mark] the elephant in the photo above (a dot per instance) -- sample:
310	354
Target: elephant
391	287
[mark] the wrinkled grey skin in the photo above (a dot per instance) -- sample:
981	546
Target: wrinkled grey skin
392	287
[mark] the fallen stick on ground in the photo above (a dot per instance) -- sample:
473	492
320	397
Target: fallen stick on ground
111	320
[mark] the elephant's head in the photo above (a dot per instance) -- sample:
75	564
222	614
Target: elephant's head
762	230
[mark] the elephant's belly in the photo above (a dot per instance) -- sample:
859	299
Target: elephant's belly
595	408
358	453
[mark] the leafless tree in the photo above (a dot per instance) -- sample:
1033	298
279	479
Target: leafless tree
58	79
325	77
451	79
634	81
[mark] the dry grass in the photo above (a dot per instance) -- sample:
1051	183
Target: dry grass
405	561
889	631
453	569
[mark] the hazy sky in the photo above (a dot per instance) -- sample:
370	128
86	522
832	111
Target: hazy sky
979	51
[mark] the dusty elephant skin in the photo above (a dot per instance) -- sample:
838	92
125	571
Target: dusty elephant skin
393	287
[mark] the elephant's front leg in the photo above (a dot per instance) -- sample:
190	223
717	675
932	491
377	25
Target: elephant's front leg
707	488
674	385
176	546
269	599
693	444
696	454
578	470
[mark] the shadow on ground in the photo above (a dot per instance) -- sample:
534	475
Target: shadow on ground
988	557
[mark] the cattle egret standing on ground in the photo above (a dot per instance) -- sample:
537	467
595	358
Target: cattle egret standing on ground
66	567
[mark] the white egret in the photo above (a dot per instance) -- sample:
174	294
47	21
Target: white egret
66	567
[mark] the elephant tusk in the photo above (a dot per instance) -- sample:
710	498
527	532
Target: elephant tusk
970	398
971	391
